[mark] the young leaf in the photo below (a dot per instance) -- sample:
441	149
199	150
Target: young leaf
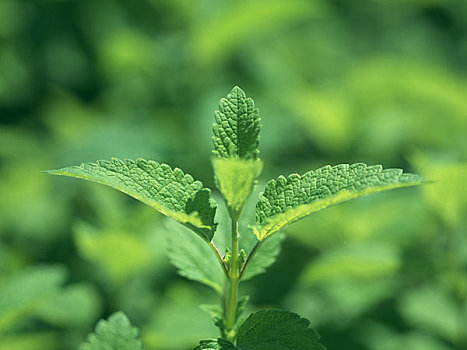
167	190
235	179
287	200
215	344
236	127
277	330
116	333
192	257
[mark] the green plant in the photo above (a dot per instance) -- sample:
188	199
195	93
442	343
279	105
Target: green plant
284	200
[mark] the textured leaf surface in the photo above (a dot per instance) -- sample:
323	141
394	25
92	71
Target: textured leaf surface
167	190
277	330
192	257
236	127
116	333
235	178
287	200
215	344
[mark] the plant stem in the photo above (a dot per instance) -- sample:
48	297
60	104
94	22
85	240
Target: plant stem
231	302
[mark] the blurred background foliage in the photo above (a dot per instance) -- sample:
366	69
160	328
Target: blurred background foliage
376	81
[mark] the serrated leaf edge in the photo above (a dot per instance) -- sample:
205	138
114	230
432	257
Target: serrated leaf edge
291	215
192	220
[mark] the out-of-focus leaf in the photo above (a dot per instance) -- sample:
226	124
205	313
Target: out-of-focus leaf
355	262
178	309
431	308
24	293
242	21
379	337
339	303
119	254
325	116
114	333
28	341
46	215
76	306
447	195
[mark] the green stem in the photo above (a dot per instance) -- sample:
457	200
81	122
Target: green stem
231	302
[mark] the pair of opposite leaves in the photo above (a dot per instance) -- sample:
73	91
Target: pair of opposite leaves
236	166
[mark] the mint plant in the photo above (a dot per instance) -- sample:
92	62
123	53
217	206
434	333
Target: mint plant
285	200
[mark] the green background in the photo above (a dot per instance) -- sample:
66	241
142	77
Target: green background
380	82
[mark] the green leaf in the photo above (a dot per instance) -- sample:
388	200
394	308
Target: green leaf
235	179
167	190
364	261
119	254
215	344
431	308
277	330
44	340
24	293
178	321
77	306
236	128
287	200
116	333
265	256
192	257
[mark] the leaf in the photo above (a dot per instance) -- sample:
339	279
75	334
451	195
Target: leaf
366	261
287	200
24	293
119	254
236	128
431	308
167	190
448	197
116	333
277	330
44	340
264	257
192	257
178	322
77	306
215	344
238	25
235	179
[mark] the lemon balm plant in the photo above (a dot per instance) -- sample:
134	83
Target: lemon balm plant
284	200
